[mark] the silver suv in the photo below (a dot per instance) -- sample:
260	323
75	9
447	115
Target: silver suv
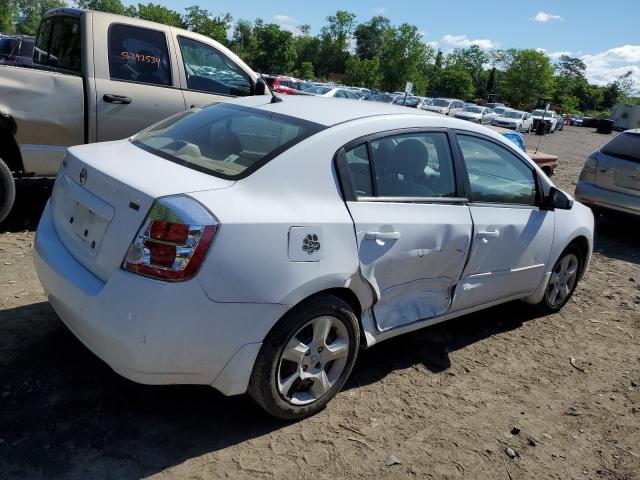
610	177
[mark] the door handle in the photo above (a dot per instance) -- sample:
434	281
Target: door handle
489	234
382	235
118	99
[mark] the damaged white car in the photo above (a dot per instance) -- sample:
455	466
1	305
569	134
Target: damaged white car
257	246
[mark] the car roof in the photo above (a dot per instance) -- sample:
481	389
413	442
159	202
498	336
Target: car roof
327	111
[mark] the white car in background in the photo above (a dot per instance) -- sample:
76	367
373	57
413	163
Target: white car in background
514	120
477	114
248	245
445	106
550	118
329	91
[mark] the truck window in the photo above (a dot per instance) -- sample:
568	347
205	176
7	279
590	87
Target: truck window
209	70
138	55
59	44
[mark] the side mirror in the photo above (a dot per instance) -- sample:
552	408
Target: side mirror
556	199
260	87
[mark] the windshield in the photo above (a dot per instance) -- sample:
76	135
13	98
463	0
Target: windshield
625	146
538	113
512	114
8	46
473	109
225	140
439	102
318	90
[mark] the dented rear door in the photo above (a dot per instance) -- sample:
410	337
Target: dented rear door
413	232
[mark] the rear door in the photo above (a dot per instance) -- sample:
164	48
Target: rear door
619	164
136	79
413	229
512	236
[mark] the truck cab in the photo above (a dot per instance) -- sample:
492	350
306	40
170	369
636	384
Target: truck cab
98	77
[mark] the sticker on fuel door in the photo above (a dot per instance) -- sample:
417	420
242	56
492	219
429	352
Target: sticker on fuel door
306	244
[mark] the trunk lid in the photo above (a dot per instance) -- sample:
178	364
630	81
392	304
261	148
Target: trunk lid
103	194
619	164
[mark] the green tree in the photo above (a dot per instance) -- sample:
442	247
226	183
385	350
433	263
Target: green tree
276	50
160	14
453	82
334	43
528	78
32	11
110	6
307	52
363	72
370	37
202	21
471	60
404	57
8	8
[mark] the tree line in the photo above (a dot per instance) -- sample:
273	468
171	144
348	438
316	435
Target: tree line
375	54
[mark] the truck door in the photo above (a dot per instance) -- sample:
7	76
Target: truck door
136	79
209	74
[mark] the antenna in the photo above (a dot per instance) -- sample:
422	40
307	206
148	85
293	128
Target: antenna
274	98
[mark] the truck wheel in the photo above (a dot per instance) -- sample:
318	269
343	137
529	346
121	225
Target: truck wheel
7	191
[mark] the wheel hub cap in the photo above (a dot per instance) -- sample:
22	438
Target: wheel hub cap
563	280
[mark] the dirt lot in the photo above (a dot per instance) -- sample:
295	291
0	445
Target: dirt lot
446	401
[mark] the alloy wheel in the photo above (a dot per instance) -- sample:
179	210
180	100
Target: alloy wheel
563	280
313	360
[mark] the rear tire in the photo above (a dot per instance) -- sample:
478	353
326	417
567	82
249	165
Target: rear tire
563	281
7	191
299	369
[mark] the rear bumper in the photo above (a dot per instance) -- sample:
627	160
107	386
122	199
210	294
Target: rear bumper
596	197
149	331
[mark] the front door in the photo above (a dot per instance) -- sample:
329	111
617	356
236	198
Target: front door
413	230
139	88
512	236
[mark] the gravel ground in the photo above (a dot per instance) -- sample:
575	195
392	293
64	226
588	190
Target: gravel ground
446	402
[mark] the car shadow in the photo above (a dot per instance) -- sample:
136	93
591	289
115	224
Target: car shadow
31	197
616	236
59	404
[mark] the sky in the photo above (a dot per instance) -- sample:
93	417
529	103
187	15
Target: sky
605	34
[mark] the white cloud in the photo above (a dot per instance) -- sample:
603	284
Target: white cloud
544	17
433	45
557	55
463	41
284	19
379	10
605	67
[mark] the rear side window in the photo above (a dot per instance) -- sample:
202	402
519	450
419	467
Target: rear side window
225	140
138	55
625	146
209	70
59	44
417	165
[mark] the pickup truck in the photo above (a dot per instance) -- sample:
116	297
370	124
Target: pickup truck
97	77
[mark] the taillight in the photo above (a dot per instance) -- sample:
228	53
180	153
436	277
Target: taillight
173	240
588	173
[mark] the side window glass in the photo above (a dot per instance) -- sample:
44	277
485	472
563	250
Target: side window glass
340	94
209	70
138	55
360	169
414	165
59	44
495	174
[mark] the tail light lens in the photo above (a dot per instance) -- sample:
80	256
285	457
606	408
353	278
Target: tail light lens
588	173
173	240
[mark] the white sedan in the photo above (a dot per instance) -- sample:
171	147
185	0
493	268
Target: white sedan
256	246
329	91
515	120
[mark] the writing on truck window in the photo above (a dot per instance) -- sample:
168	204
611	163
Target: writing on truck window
138	57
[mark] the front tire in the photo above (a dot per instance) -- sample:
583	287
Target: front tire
7	191
306	359
563	281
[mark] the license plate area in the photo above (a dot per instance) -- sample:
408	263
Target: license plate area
82	216
627	178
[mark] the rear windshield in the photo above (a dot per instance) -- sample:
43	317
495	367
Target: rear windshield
225	140
438	102
625	146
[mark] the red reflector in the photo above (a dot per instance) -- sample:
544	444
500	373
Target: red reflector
169	232
162	255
